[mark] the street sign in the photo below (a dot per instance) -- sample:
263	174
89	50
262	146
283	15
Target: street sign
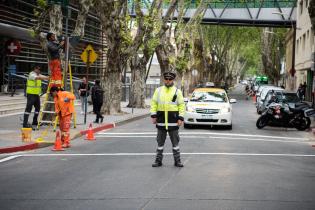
13	47
89	56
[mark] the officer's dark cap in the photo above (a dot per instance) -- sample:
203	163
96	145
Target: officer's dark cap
169	75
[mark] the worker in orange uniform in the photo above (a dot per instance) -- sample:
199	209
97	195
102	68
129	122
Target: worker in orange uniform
54	47
64	108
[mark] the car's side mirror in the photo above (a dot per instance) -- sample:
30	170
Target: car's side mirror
232	101
186	100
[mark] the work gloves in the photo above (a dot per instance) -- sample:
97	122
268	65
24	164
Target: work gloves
66	100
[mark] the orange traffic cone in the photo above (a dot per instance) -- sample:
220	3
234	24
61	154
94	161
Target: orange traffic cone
254	98
90	135
58	144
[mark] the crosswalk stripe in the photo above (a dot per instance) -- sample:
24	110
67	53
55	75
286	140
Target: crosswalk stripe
9	158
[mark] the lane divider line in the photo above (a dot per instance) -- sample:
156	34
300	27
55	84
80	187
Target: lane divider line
183	153
219	134
210	138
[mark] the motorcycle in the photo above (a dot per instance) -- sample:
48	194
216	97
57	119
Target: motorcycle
280	114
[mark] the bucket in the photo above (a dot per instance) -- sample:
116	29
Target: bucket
26	134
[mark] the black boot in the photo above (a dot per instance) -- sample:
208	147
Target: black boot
158	158
25	121
35	122
102	118
177	161
96	121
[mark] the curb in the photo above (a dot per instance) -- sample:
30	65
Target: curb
95	130
19	148
33	146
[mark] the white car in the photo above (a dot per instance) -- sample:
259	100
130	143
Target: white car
209	106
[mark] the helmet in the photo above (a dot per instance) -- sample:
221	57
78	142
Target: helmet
169	75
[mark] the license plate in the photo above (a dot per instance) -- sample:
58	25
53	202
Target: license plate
206	116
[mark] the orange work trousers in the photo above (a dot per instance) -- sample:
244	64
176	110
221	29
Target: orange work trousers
56	74
64	125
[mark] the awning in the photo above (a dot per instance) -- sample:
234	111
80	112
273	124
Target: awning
16	32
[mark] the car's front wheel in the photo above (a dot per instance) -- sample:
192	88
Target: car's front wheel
187	125
229	127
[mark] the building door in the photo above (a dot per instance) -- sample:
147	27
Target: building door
309	87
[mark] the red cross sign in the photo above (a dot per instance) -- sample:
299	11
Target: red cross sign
13	47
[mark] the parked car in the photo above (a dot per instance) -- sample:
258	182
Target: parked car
209	84
244	82
290	98
209	106
263	94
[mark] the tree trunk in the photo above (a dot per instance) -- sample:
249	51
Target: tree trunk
164	51
112	92
269	58
56	19
138	69
187	83
81	18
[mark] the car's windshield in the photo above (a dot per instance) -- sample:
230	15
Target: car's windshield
290	98
209	97
265	91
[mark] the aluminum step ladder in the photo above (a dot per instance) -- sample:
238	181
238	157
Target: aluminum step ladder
48	100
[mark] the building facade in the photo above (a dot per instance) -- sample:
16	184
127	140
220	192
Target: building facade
17	16
304	49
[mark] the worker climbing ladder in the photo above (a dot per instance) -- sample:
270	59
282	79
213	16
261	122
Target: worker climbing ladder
47	101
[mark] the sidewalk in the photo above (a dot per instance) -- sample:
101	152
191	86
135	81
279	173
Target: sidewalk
10	128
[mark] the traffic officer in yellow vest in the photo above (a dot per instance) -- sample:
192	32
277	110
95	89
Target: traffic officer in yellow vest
33	91
167	112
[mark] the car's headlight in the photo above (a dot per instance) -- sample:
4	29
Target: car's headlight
190	109
226	110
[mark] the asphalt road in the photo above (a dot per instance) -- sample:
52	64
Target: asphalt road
239	169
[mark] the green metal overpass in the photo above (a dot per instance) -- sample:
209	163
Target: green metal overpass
273	13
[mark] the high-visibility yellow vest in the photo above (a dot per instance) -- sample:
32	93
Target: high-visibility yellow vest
33	87
165	109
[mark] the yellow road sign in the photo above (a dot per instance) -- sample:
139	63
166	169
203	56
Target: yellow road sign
89	51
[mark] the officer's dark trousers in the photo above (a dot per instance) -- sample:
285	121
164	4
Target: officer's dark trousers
32	100
97	111
161	136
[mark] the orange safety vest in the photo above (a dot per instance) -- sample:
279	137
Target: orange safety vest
64	108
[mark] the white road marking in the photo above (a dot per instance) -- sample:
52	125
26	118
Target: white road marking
209	137
207	133
9	158
152	154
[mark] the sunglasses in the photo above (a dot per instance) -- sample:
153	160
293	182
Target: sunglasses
169	79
